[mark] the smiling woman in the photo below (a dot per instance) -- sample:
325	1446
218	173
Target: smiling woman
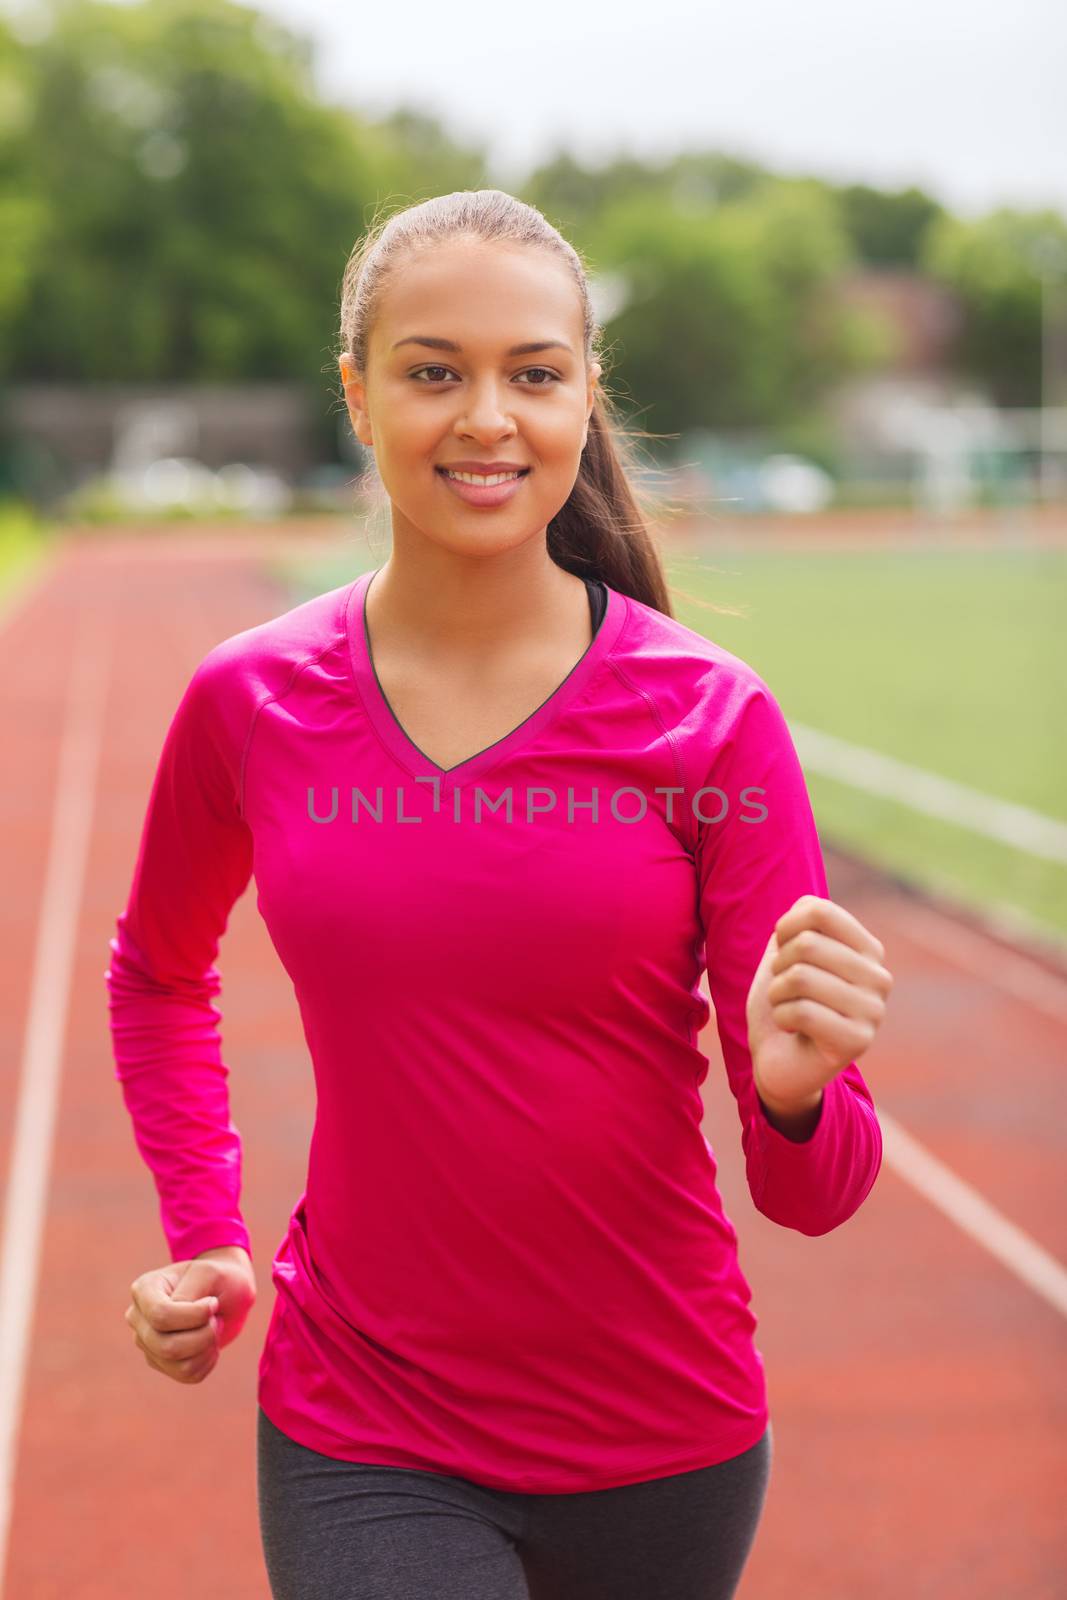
461	275
512	1349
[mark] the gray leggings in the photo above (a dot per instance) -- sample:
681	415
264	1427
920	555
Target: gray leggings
343	1530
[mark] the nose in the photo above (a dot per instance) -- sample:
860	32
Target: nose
485	416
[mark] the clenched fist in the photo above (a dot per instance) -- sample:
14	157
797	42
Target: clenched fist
816	1001
183	1314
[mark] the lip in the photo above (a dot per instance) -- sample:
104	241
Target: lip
488	467
487	495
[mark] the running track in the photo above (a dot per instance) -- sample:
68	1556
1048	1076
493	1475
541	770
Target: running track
915	1356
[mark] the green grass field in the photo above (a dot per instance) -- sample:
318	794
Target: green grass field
955	662
24	545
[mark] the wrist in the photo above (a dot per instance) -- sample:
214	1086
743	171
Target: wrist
796	1119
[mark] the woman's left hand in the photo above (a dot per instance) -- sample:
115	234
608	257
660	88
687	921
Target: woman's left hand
816	1002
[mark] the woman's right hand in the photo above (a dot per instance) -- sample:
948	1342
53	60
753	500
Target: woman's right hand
172	1317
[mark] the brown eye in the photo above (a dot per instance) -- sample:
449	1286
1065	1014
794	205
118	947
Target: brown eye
433	382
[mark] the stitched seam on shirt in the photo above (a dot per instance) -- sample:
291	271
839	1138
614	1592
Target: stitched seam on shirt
298	668
360	701
657	718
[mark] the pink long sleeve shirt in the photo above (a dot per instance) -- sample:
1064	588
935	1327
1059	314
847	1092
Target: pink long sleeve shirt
511	1261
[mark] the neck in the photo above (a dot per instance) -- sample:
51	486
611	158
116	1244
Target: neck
441	603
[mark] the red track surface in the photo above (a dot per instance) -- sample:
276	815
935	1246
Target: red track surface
917	1382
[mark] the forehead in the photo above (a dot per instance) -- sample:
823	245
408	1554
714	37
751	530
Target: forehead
481	295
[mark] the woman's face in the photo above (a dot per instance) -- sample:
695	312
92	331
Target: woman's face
423	408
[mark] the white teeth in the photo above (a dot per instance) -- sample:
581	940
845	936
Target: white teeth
473	477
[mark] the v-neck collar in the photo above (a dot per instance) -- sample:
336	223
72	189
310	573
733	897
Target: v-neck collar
392	734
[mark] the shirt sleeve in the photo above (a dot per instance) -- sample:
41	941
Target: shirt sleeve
752	866
194	861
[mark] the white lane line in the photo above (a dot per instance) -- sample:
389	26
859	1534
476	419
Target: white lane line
963	1205
25	1200
956	803
974	1215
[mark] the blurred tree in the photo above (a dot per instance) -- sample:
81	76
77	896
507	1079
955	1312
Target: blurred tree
574	197
713	175
993	265
420	159
887	229
178	204
22	213
731	319
199	202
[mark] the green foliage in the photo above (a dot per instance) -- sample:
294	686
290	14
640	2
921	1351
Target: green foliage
177	204
887	229
200	202
731	319
574	197
22	213
994	267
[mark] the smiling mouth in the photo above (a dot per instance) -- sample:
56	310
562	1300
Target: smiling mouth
477	480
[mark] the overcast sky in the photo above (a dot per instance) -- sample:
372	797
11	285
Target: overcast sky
965	97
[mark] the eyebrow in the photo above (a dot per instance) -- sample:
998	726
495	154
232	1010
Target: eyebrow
530	349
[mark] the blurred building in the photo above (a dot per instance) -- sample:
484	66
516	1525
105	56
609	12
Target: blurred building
915	425
923	316
923	320
58	436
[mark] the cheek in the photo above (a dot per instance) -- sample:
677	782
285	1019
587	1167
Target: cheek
556	448
563	428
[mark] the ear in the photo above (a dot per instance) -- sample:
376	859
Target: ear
356	400
594	373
